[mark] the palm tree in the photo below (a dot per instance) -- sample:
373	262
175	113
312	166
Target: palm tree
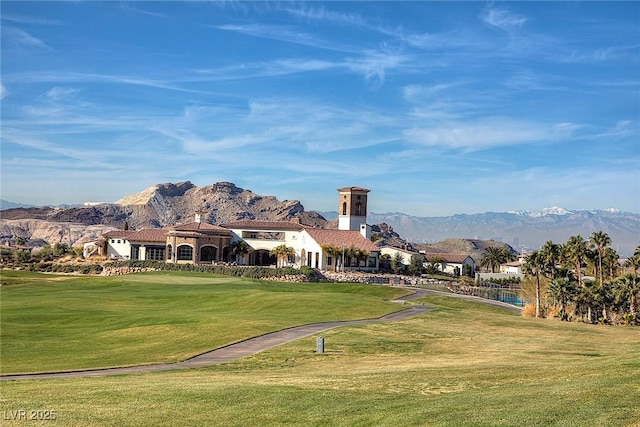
239	248
575	252
561	291
550	253
633	263
629	286
587	297
534	266
599	240
334	252
610	262
282	252
494	256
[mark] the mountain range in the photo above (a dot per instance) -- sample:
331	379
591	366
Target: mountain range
523	230
167	204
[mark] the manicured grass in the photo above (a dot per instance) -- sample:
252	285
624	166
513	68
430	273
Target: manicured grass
56	323
464	364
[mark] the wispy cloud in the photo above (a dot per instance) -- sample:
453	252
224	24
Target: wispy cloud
286	35
490	133
24	19
22	38
309	11
57	93
3	91
503	19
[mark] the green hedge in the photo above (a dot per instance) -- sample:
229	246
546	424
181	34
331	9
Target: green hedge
52	267
248	272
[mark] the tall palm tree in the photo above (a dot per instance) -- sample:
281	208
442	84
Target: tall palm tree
575	252
534	266
550	253
599	240
610	262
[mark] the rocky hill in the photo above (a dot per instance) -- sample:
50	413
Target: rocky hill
472	247
157	206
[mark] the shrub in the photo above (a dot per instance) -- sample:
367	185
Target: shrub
529	310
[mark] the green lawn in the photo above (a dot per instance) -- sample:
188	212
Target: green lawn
55	323
464	364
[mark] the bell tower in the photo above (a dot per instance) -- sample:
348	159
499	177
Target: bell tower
352	208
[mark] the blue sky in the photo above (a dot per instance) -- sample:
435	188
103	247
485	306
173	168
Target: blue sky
437	107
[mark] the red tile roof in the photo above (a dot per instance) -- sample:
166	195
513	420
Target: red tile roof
199	226
454	258
339	238
122	234
149	235
266	225
144	235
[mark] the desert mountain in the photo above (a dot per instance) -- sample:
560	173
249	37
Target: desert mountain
157	206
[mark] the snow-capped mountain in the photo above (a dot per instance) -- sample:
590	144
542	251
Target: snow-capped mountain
520	228
554	210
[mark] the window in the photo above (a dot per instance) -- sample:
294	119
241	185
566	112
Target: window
185	253
358	209
344	208
154	254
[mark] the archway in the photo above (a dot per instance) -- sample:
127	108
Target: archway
208	253
262	257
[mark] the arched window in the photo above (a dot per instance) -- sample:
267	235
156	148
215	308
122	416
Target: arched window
344	208
208	253
184	253
358	209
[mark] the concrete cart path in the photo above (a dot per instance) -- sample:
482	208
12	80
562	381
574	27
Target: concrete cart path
260	343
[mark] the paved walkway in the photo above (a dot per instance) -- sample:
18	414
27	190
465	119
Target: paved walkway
260	343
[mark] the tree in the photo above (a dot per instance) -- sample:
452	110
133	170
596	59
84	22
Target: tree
633	263
550	253
534	266
493	256
416	265
599	240
628	287
435	263
575	253
561	291
610	262
587	297
239	248
397	263
282	252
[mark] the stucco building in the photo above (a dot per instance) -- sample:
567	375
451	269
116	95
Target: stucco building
347	248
